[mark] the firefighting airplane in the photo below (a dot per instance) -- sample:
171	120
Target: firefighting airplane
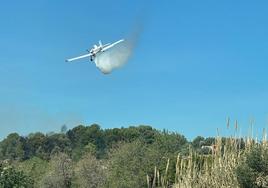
96	50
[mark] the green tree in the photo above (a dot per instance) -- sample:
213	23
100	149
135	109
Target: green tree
147	133
253	171
61	173
81	136
198	142
90	172
56	143
128	166
169	142
11	178
130	163
35	167
35	145
12	147
63	128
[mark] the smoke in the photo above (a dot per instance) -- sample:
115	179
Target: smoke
118	55
26	118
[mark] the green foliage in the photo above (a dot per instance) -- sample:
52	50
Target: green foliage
128	166
130	163
12	147
11	178
35	167
133	151
169	143
63	129
166	146
56	143
60	174
198	142
90	172
143	133
253	171
82	136
88	156
90	148
35	145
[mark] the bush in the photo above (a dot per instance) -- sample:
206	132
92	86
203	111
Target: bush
90	172
253	171
60	174
11	178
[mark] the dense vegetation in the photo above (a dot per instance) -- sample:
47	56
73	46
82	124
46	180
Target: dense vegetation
88	156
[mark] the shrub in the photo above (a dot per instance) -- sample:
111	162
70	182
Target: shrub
253	171
11	178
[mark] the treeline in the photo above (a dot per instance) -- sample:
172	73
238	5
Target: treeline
124	155
91	157
82	139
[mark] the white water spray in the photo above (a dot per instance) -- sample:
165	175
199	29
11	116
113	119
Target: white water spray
115	57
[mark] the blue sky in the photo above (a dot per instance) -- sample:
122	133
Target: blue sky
196	63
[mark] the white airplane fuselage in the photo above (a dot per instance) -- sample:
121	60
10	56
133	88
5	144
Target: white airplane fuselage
95	50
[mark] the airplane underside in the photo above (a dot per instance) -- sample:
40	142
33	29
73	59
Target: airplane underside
92	57
95	50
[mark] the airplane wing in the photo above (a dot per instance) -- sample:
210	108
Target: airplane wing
105	45
112	45
79	57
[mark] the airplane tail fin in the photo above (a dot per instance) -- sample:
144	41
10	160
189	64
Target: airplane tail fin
100	43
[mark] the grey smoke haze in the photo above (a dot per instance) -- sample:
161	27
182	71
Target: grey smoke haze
118	55
25	119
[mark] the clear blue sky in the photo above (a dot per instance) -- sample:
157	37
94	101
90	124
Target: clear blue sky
196	63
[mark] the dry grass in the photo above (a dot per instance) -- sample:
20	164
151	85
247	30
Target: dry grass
216	169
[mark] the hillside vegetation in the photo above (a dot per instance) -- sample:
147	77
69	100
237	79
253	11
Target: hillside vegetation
88	156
